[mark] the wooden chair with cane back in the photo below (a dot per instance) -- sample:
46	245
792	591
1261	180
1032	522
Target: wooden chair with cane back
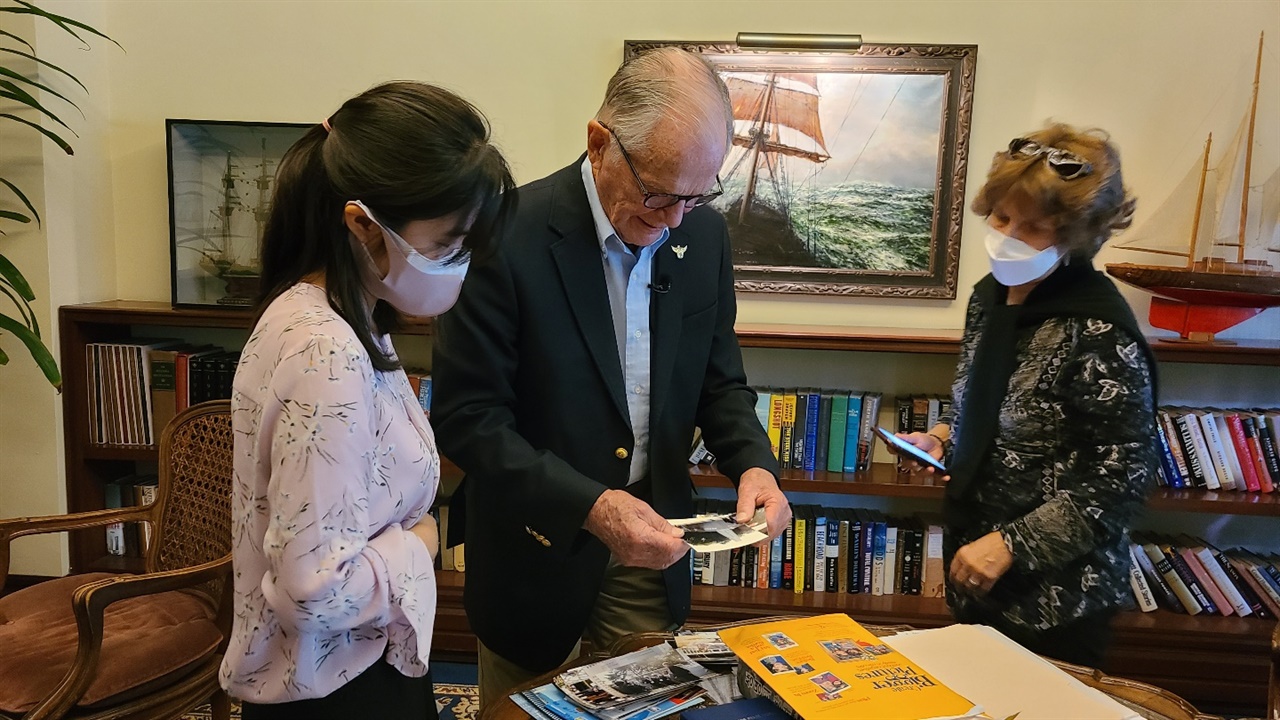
99	646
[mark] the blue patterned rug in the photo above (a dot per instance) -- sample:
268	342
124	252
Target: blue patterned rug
457	696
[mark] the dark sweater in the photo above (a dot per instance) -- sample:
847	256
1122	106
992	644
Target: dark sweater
1065	463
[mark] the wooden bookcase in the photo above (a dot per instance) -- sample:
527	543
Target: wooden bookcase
1218	662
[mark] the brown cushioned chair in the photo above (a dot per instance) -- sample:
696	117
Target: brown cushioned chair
101	646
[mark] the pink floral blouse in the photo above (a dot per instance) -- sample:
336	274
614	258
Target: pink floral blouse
334	462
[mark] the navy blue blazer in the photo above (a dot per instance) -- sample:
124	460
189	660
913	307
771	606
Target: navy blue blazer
529	403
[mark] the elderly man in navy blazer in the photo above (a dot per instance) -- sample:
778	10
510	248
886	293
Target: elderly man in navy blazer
571	373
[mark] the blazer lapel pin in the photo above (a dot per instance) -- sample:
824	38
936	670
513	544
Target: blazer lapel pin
679	251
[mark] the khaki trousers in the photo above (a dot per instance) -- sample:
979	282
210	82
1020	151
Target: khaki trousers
631	600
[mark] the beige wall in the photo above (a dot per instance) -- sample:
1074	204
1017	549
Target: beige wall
1158	75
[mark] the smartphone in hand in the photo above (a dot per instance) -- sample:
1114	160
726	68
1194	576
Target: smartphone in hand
905	448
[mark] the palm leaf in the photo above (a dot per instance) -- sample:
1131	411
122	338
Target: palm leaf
47	133
10	272
5	33
23	198
62	22
46	63
4	359
15	216
39	353
23	78
13	92
28	316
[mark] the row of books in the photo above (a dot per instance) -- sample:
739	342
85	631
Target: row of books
919	413
129	539
812	429
1219	449
136	388
1186	574
839	550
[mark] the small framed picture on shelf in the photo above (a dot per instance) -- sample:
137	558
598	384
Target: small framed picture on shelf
847	171
221	179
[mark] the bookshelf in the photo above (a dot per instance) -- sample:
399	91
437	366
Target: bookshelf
1217	661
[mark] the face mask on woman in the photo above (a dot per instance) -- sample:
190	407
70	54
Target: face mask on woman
414	284
1014	262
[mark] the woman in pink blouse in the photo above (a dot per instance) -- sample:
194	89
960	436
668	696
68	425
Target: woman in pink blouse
376	213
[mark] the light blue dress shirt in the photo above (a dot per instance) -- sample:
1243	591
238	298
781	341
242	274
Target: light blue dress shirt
627	276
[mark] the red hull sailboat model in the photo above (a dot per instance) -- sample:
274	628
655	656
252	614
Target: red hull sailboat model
1209	293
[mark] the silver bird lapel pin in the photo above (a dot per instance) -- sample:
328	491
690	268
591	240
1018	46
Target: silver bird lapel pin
679	251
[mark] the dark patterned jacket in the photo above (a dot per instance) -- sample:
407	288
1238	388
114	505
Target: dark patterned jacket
1072	458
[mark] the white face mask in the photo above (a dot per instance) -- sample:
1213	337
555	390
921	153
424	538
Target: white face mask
414	284
1014	262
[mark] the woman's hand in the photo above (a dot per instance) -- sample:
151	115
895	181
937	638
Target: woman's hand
928	442
978	565
428	533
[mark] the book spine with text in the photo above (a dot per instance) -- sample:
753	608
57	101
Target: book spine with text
1159	587
867	434
838	421
1171	577
812	408
853	420
1141	591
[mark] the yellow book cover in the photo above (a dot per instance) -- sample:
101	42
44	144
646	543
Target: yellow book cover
776	404
801	533
831	668
786	433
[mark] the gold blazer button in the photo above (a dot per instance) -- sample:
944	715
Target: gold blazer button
621	453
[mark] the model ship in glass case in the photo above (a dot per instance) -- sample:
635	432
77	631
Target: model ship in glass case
221	177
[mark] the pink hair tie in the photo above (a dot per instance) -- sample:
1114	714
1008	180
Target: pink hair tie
325	124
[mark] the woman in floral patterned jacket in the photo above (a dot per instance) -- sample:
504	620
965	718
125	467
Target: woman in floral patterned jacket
375	214
1050	445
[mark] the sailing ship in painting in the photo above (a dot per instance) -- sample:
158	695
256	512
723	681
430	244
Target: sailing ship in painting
790	201
1228	230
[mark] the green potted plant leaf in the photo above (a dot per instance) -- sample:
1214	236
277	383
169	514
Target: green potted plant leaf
19	90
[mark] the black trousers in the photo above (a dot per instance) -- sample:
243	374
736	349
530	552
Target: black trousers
1082	642
379	692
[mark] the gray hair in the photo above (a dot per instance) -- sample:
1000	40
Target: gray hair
667	82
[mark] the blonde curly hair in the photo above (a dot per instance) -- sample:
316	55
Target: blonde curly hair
1085	211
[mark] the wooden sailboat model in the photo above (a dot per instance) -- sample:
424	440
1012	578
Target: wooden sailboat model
1209	293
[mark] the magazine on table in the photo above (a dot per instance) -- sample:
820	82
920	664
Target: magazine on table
653	671
657	707
831	668
710	533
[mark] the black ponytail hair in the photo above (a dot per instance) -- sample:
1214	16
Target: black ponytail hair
409	151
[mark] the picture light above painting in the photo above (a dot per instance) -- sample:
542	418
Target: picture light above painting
847	171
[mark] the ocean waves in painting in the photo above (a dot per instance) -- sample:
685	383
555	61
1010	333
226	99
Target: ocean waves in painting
849	226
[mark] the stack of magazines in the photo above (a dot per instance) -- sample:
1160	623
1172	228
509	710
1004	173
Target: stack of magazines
642	685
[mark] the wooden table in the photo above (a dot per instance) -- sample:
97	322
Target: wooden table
1149	701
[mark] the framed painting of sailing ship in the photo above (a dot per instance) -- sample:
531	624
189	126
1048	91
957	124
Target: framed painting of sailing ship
221	176
847	172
